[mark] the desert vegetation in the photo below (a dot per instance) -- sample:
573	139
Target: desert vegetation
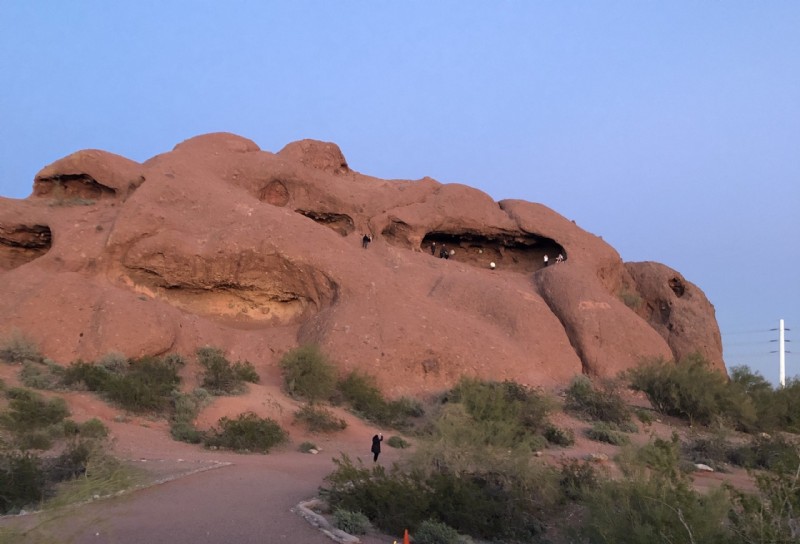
474	471
475	455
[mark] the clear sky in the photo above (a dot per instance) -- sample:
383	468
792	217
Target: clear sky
671	129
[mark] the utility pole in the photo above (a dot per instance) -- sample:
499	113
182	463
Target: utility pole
782	353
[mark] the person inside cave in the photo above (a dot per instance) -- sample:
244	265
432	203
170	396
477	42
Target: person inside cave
443	254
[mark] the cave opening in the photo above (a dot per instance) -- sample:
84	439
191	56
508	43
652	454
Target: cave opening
519	252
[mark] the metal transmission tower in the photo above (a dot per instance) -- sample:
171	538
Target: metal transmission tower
782	351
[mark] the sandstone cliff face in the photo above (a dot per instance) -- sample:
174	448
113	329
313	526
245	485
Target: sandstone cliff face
220	243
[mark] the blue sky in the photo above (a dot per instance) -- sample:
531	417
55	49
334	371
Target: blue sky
671	129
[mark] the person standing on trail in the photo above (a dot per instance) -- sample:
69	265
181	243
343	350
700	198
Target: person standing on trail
366	240
376	446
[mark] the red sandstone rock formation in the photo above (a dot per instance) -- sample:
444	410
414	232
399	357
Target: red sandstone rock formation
220	243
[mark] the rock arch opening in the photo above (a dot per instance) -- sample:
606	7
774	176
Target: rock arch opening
72	186
519	252
21	244
338	222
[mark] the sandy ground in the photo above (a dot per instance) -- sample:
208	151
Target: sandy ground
193	495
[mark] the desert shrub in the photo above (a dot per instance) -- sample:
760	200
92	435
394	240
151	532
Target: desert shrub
646	509
559	437
596	403
306	447
771	516
319	420
776	409
354	523
603	432
501	401
434	532
92	377
22	481
93	428
577	478
663	457
774	453
246	433
44	375
490	504
713	450
644	416
365	398
27	411
245	371
308	374
220	377
18	348
146	386
114	361
397	442
692	390
70	463
186	408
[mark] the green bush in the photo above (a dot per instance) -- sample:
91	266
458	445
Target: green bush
140	385
306	447
644	510
771	515
603	432
186	408
434	532
559	437
354	523
397	442
773	453
776	409
362	393
308	374
93	428
17	348
220	377
596	404
147	385
27	411
245	371
502	401
92	377
45	375
22	481
492	504
691	389
577	479
246	433
319	420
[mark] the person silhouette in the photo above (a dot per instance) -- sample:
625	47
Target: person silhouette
376	446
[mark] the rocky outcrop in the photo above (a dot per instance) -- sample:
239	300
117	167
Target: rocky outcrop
220	243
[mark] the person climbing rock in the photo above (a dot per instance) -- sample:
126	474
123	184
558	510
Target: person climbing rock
376	446
560	258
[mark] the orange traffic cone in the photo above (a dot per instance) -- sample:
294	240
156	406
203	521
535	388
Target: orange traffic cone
405	537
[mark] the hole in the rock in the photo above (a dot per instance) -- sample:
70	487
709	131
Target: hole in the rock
338	222
275	193
68	186
520	252
677	286
20	244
